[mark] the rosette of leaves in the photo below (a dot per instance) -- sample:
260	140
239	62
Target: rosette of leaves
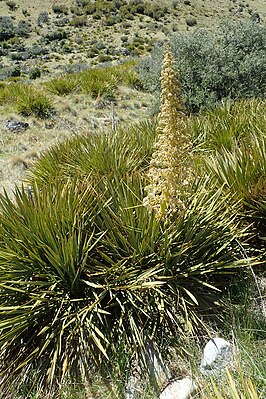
86	268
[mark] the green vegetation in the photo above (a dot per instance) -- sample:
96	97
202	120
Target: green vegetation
27	99
85	254
99	156
63	85
89	273
228	63
90	258
97	82
227	123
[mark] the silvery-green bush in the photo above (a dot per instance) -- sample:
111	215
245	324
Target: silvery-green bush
214	65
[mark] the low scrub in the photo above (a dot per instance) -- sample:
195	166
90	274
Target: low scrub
214	65
63	85
28	100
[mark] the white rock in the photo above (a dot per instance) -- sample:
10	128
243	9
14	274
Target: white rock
180	389
217	355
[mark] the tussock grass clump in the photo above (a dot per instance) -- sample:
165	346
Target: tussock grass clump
99	82
104	81
119	152
229	123
27	99
63	85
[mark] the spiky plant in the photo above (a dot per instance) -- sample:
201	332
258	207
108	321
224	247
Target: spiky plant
228	123
169	167
104	153
27	99
241	170
86	268
63	85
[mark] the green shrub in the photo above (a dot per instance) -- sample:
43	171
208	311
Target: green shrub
23	29
175	3
139	6
15	72
228	63
104	58
191	21
43	18
63	85
112	20
90	9
99	82
3	93
97	15
56	35
59	9
79	21
154	11
7	29
11	4
77	11
62	21
82	3
35	73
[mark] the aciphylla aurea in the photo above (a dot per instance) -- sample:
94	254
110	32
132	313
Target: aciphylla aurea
169	169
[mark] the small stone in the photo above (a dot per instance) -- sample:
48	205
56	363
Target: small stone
217	355
179	389
16	126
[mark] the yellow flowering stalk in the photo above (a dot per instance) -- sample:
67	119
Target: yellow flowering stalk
169	166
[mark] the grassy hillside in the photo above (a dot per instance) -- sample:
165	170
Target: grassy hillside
78	112
57	36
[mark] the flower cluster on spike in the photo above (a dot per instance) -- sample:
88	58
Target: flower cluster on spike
169	169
